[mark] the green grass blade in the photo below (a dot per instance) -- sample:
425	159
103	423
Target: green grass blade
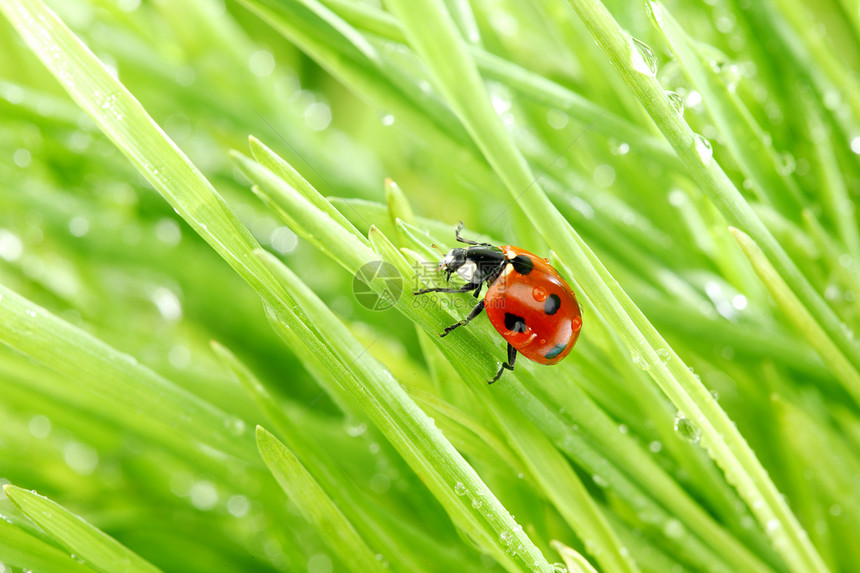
793	309
316	506
125	390
25	551
99	550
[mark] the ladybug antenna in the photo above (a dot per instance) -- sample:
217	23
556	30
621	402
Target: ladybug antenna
437	248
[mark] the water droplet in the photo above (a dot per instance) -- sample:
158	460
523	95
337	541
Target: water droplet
356	430
506	537
673	529
459	488
618	147
643	59
539	294
687	429
558	568
655	446
663	354
703	148
477	503
387	119
787	164
235	426
640	361
676	101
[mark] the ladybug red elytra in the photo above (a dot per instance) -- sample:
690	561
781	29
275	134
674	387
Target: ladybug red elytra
531	306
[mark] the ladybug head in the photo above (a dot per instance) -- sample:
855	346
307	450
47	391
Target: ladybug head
452	262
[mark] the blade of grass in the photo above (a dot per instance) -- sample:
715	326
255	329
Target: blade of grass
20	549
126	391
402	554
793	308
573	559
99	550
316	506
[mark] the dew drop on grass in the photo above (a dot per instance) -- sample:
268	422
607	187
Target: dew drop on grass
676	101
663	355
640	361
618	147
687	429
506	537
459	488
558	568
772	526
787	164
703	148
643	59
235	426
356	430
673	529
477	503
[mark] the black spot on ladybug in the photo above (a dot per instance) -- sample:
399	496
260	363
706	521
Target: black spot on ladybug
552	304
522	264
555	350
515	323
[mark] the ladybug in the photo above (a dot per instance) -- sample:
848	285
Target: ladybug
531	306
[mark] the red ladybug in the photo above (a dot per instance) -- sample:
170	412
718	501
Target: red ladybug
531	306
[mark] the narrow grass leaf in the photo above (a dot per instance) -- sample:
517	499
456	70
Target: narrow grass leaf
794	310
22	550
98	549
126	391
573	559
316	506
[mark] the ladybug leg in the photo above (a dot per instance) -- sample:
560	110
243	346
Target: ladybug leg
512	358
464	288
468	241
475	312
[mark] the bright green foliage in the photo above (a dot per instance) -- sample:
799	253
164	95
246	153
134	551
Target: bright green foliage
167	285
